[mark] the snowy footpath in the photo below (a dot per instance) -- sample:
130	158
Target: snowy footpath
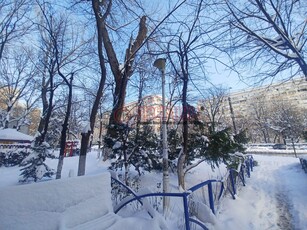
275	197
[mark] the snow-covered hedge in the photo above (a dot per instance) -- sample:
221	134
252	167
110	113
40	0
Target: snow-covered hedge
12	156
34	166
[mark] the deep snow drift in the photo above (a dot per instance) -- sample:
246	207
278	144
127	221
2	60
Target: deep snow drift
273	198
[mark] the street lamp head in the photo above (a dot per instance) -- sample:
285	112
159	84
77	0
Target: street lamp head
160	64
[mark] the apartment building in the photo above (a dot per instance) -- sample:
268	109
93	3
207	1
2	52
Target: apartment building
293	92
149	111
236	108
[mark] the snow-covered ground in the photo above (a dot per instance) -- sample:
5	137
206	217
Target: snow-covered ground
273	198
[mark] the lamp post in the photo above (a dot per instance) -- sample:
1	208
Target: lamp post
160	64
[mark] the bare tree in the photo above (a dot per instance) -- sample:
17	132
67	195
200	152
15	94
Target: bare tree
101	13
18	81
258	116
212	107
15	67
14	22
46	66
122	73
63	45
184	54
64	131
286	121
143	82
270	35
107	31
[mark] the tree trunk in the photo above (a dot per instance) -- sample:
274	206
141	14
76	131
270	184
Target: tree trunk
46	115
121	76
64	130
185	133
293	145
82	158
42	121
86	136
232	116
100	135
139	108
264	136
118	106
180	169
60	166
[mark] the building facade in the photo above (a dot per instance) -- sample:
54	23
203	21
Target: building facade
238	109
149	111
292	92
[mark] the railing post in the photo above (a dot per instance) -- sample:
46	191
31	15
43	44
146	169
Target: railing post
251	163
242	174
247	163
186	211
184	196
232	182
211	201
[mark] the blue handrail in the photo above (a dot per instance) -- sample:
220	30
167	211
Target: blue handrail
183	195
210	192
247	167
199	223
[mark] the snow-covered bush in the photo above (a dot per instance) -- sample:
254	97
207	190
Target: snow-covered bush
12	156
119	192
139	149
213	147
34	166
2	158
222	144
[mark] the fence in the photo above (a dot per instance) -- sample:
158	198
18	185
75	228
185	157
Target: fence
303	161
230	183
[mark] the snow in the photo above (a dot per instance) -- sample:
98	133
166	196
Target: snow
117	145
274	198
204	213
47	205
304	157
40	171
205	138
13	134
86	128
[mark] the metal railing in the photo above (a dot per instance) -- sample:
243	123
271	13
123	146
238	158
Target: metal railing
233	176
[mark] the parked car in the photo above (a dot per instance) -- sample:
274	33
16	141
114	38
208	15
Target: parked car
279	146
